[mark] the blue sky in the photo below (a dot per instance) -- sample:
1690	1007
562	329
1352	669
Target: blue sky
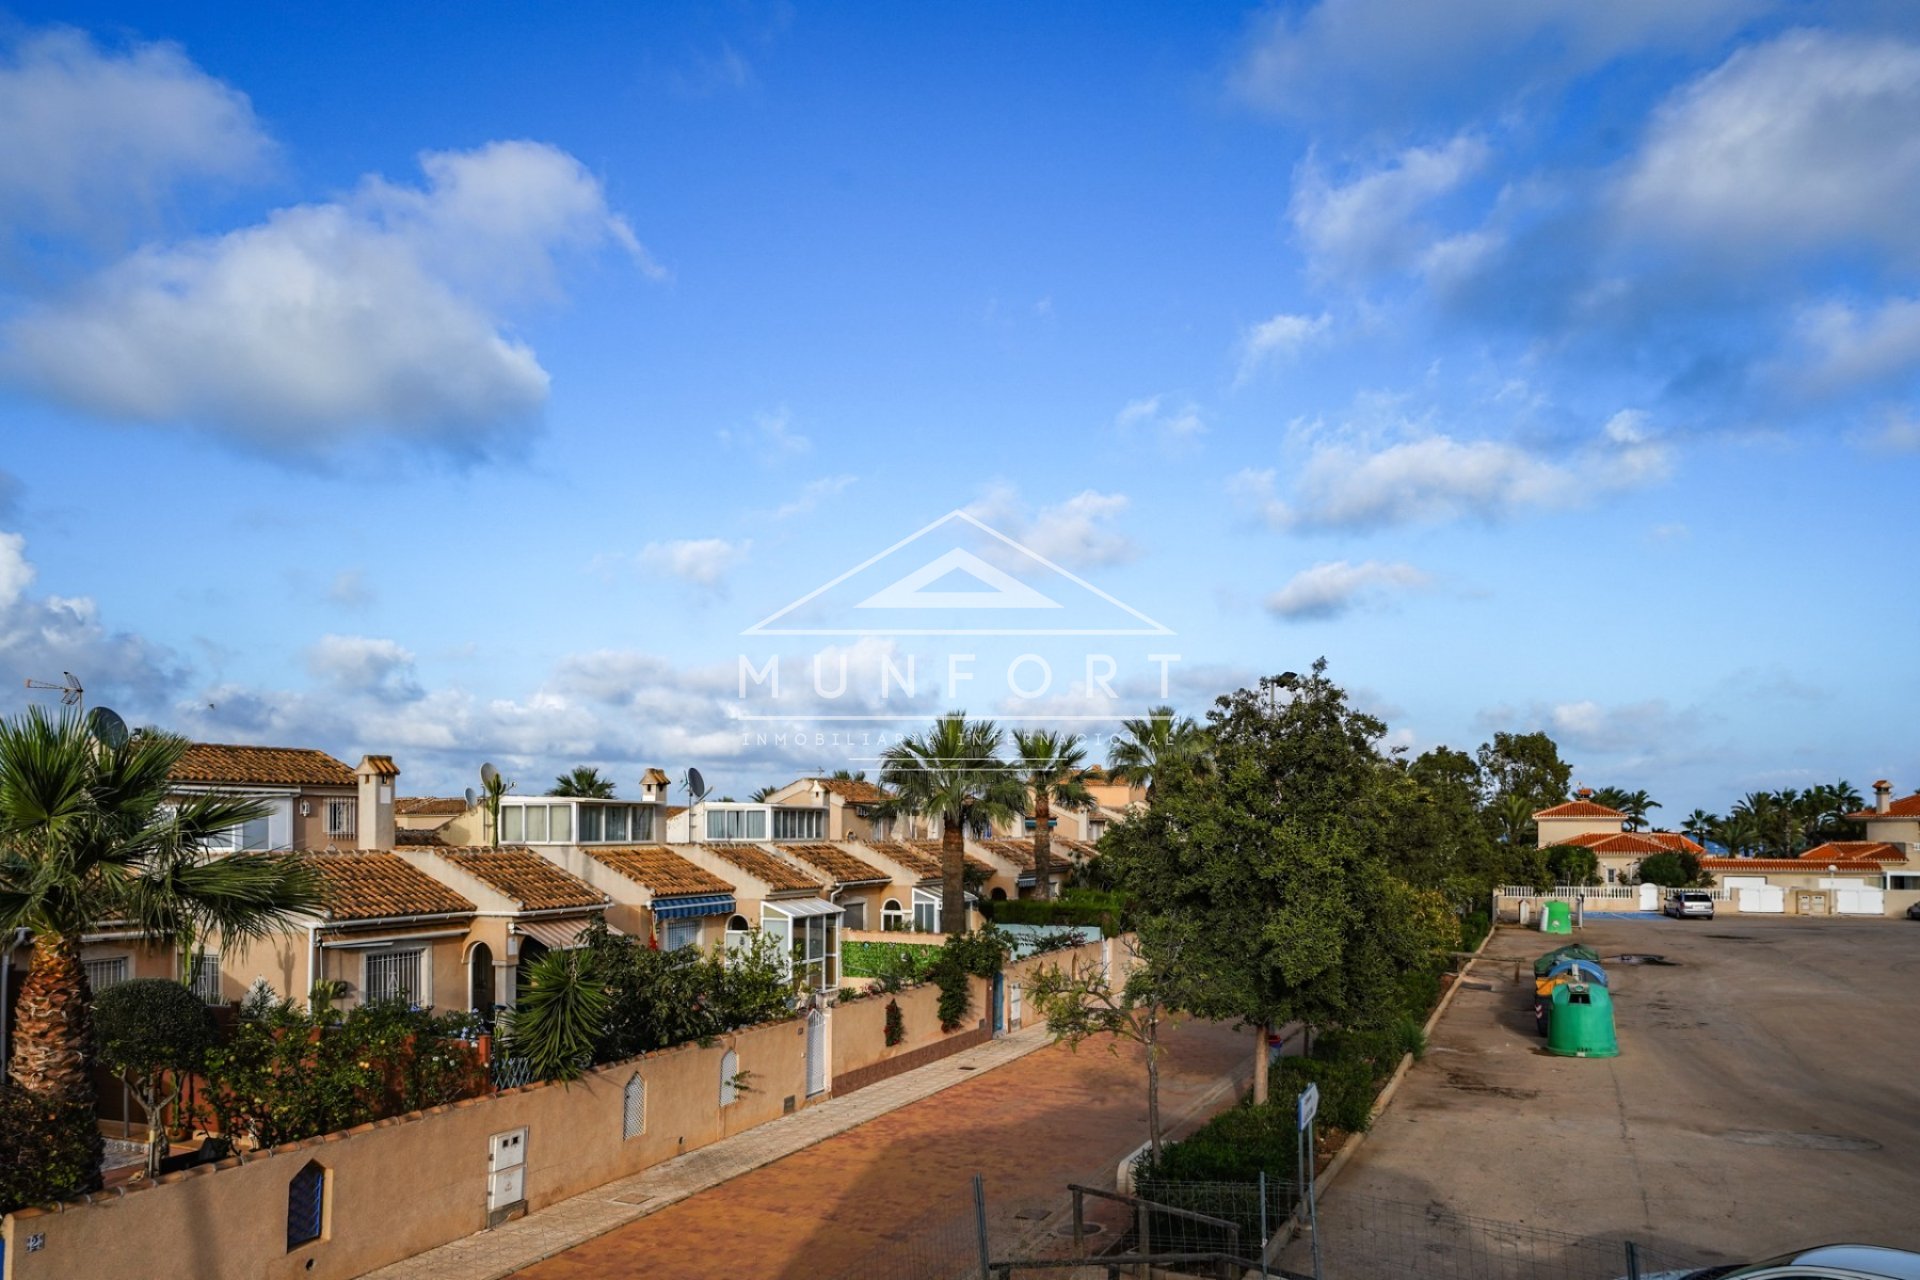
462	387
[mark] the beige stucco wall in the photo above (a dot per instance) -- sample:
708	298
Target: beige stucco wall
283	959
1560	830
310	832
859	1028
405	1185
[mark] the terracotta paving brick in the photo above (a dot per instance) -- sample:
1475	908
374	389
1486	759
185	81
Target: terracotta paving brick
1029	1127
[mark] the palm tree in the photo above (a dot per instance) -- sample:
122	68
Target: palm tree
1051	764
848	775
91	832
1637	805
953	771
1143	747
1511	815
1611	798
761	795
582	781
1700	824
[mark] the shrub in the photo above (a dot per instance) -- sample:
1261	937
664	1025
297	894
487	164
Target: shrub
152	1033
1084	908
896	1024
899	961
1474	929
1346	1086
979	954
1237	1145
52	1153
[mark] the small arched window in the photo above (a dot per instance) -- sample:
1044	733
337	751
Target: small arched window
729	1069
999	895
306	1205
635	1110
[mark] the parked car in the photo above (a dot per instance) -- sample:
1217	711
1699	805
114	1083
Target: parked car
1913	912
1828	1262
1685	903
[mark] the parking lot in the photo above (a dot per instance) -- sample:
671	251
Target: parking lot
1766	1096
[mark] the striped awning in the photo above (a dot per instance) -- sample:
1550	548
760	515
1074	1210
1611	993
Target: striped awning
705	904
557	935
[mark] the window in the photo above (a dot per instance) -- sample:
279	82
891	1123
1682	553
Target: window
560	823
736	824
394	975
205	981
799	824
306	1205
536	823
816	951
590	826
340	817
738	933
729	1075
682	933
102	974
634	1112
926	912
643	822
892	918
513	824
617	824
854	914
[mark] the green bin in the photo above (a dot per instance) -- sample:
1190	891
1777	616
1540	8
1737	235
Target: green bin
1572	951
1556	917
1582	1023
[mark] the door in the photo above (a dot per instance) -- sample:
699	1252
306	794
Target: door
816	1053
480	980
999	1004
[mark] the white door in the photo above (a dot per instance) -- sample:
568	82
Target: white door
816	1053
1649	897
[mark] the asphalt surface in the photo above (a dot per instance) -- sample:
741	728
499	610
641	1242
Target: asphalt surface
1766	1098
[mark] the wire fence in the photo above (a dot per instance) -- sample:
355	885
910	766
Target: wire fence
1219	1229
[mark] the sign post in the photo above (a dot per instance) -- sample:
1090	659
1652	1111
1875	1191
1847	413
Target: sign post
1309	1107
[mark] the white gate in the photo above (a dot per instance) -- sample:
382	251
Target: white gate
1649	897
816	1053
1763	900
1859	902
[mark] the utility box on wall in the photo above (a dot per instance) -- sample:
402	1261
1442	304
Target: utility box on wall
506	1176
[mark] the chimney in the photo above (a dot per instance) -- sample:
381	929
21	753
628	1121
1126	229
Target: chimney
1882	796
374	820
1585	793
653	786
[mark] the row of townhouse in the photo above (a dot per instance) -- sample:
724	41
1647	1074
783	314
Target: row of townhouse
425	901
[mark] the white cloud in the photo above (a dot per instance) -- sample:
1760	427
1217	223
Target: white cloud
812	495
1176	424
93	141
377	311
1078	532
1280	338
1901	434
1372	224
1401	57
1807	140
1336	586
1435	477
16	572
364	665
1847	347
41	636
349	589
704	562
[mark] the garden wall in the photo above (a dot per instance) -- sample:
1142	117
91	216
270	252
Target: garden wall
401	1186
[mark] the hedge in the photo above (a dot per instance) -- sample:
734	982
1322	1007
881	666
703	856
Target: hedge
1074	908
872	959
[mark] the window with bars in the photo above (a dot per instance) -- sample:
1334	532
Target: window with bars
306	1205
102	974
205	981
729	1078
635	1110
799	824
340	817
682	933
394	975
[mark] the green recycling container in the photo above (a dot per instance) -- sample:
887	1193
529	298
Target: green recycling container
1556	917
1572	951
1582	1022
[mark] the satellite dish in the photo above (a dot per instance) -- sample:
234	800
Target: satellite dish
106	725
696	785
470	797
489	775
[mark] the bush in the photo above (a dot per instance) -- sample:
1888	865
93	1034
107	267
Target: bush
1474	929
52	1153
1346	1085
905	960
1235	1146
1083	908
896	1024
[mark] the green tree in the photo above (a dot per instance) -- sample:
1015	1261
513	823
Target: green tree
760	795
1700	824
1527	765
1638	806
583	781
1572	864
1681	870
1051	764
92	832
1145	747
153	1034
560	1014
953	771
1612	798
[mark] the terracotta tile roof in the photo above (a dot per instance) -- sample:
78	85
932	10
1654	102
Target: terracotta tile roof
1855	851
922	857
376	885
1641	842
1018	852
418	836
1580	809
855	791
837	863
761	865
451	806
523	875
213	762
380	766
658	870
1734	866
1904	807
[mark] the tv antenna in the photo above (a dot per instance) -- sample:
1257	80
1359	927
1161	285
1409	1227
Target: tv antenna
70	690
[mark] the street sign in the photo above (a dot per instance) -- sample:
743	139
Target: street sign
1309	1104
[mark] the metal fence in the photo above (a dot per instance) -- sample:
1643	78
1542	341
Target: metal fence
1217	1229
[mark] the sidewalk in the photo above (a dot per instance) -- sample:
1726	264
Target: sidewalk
559	1227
